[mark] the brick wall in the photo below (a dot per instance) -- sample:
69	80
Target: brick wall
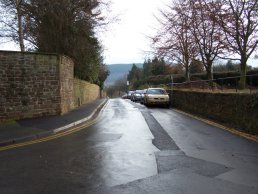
233	109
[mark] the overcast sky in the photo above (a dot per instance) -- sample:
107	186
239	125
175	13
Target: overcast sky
126	41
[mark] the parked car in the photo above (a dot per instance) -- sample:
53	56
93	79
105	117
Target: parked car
136	96
142	96
129	94
124	96
156	96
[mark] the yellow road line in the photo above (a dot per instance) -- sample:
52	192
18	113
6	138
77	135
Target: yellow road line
231	130
44	139
57	135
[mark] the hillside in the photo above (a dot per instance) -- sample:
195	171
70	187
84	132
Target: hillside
117	71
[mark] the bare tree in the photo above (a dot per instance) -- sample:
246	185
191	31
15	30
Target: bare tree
207	34
19	20
239	21
15	26
174	40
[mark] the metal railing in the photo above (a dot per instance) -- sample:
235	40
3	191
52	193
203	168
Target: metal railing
228	84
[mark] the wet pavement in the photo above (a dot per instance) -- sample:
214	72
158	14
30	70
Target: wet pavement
32	128
133	149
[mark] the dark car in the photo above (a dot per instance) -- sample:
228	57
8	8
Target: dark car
129	94
136	96
142	96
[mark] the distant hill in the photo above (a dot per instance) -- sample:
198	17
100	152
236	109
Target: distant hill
117	71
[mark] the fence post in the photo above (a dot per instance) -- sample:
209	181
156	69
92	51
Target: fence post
236	84
251	83
171	91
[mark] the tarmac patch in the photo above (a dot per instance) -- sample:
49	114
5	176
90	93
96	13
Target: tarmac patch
166	162
180	182
161	138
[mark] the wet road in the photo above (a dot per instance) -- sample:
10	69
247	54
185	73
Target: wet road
133	149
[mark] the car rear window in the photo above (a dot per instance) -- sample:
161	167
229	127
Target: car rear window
156	91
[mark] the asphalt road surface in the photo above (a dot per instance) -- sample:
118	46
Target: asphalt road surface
134	149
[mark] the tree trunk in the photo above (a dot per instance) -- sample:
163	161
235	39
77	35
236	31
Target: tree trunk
20	30
187	75
209	72
242	82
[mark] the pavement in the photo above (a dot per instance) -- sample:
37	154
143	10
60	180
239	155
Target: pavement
27	129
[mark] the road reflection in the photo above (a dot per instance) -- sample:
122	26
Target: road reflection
125	136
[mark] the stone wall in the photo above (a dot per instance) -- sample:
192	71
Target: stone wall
233	109
84	92
29	85
66	84
36	84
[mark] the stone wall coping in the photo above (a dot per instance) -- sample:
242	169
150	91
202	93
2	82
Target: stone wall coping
36	53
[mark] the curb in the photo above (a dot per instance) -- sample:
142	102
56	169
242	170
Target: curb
82	120
54	131
253	138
